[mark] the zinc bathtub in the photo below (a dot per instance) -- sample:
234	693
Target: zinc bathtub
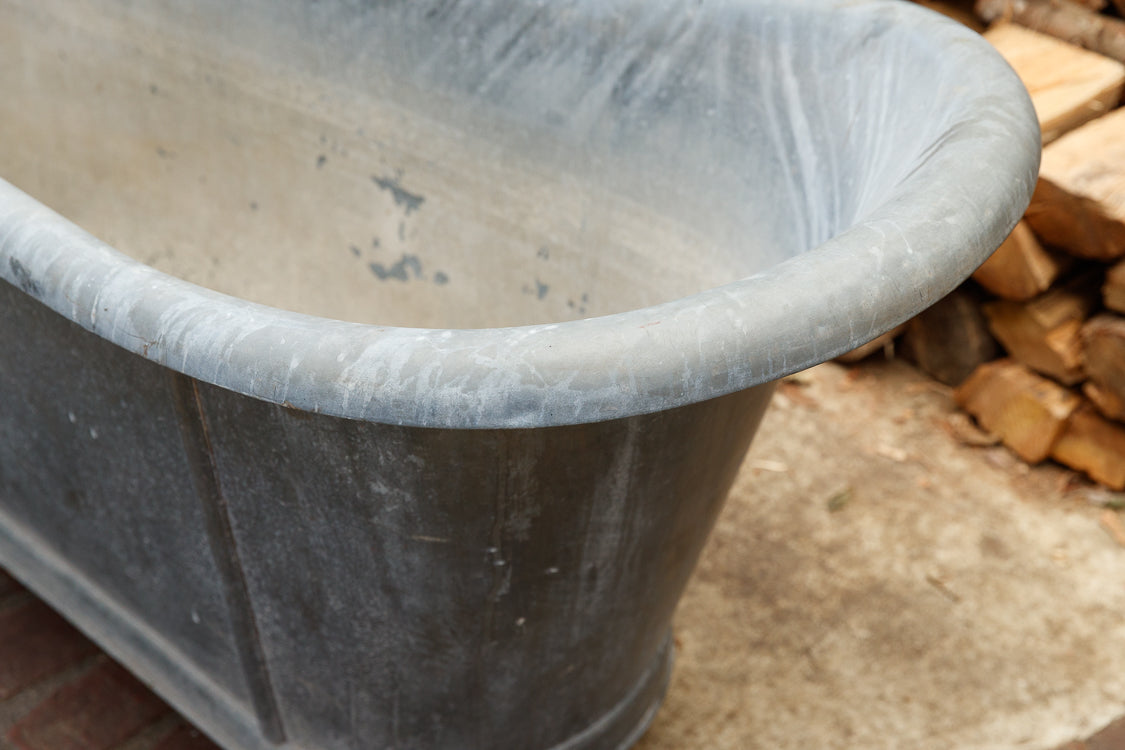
372	373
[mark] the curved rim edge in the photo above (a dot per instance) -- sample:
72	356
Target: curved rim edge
960	203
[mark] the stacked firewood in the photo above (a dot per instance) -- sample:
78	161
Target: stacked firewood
1034	344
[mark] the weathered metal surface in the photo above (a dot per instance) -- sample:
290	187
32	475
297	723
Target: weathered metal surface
343	583
615	224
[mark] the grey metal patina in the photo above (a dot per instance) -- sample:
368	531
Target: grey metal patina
616	224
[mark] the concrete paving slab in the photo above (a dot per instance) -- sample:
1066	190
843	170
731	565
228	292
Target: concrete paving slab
874	583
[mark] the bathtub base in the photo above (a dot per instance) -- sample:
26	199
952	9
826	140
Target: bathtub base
126	638
167	672
623	725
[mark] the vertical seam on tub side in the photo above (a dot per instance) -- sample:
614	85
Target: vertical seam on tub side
224	549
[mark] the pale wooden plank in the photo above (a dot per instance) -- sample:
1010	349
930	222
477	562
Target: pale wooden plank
1068	85
1079	201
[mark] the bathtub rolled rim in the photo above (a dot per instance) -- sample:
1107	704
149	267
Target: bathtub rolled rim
938	225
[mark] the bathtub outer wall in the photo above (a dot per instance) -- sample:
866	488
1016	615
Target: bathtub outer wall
322	582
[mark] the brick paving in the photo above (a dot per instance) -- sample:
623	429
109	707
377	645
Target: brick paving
98	711
8	585
36	643
59	692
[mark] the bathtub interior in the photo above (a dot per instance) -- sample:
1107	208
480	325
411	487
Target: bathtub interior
450	165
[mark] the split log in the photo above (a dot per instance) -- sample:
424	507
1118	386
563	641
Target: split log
1026	411
884	343
1103	358
1079	201
1092	444
1021	268
1104	401
1114	290
1044	333
950	339
1068	85
958	11
1092	4
1066	20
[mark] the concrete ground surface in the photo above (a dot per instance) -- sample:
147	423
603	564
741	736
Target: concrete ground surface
875	583
872	583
